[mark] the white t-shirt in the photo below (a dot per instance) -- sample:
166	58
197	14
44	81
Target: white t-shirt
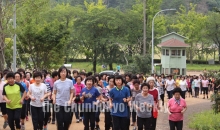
170	85
197	82
183	85
37	92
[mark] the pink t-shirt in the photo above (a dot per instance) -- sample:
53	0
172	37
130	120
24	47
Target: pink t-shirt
2	83
175	109
78	88
205	83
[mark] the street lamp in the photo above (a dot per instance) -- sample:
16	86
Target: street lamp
152	56
14	41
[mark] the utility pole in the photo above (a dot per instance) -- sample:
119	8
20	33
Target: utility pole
144	33
14	43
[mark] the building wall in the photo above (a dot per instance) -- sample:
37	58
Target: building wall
175	36
169	62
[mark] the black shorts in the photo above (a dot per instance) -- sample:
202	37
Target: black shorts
3	108
23	111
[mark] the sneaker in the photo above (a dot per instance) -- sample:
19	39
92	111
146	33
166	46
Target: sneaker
77	121
22	127
5	124
53	122
207	97
26	118
80	119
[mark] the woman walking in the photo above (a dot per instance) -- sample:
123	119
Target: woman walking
176	109
183	85
144	103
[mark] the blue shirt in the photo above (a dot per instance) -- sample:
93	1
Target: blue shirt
90	97
74	81
104	83
120	108
25	88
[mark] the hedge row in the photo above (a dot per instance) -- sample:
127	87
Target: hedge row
155	61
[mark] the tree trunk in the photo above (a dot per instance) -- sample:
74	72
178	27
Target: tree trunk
110	66
94	60
191	57
2	40
219	55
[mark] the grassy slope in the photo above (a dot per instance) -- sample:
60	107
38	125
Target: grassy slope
195	67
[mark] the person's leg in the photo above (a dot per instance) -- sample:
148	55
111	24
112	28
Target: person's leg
183	94
206	92
81	112
153	123
86	119
172	125
67	117
10	114
23	115
59	117
116	123
162	98
108	120
140	123
168	93
46	113
97	119
34	116
147	123
92	119
179	125
4	113
77	112
17	115
53	113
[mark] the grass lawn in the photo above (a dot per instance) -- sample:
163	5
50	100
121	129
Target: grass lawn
88	66
194	67
201	67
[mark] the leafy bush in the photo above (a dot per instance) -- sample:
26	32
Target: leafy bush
206	120
140	64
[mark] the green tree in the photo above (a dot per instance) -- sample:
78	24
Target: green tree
40	40
189	24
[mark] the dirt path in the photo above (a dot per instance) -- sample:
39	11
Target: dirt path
194	105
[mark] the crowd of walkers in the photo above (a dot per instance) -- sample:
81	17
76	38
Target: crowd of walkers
55	97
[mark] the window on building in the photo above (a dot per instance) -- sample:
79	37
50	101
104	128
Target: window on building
175	71
167	71
163	51
176	52
183	52
183	71
167	52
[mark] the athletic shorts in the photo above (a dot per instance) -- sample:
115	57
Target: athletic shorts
3	108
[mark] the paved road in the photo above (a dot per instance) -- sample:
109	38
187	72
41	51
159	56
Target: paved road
194	105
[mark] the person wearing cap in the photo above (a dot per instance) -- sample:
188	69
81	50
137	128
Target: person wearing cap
176	109
155	93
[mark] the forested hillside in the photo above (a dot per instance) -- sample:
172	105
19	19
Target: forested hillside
202	5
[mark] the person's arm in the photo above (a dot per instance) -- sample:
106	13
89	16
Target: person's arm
5	97
22	90
46	92
184	107
168	108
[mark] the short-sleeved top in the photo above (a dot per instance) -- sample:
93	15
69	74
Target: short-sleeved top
197	82
205	83
37	92
170	85
183	85
117	96
13	93
90	97
25	88
176	108
144	111
63	89
134	93
2	83
160	88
